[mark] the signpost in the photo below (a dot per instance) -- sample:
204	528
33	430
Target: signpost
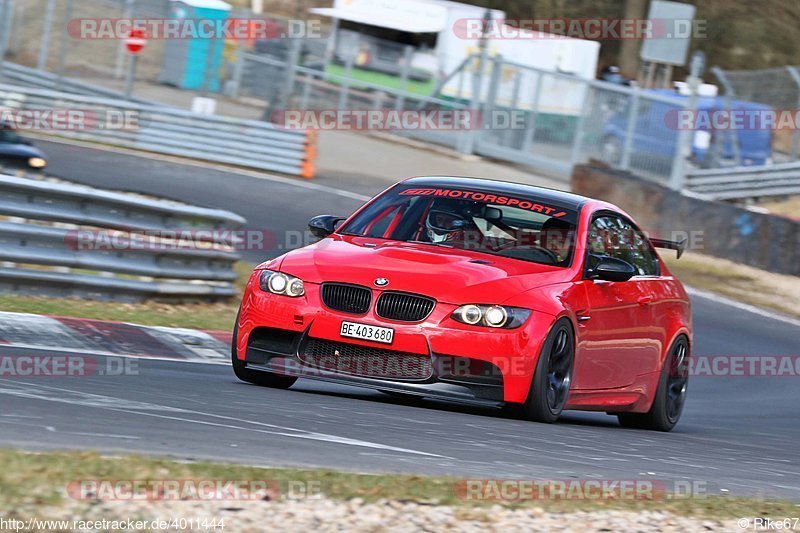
670	48
134	43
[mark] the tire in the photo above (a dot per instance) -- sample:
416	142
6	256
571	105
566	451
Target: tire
611	150
553	375
670	396
256	377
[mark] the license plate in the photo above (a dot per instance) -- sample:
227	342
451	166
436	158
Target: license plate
367	333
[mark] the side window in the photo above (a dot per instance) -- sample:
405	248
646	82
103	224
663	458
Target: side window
642	255
615	237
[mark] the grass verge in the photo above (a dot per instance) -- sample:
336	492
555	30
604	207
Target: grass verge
209	316
739	282
789	207
31	481
746	284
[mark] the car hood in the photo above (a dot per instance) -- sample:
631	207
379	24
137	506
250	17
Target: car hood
20	150
447	274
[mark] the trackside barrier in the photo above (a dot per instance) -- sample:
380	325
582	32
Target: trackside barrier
171	131
746	182
65	240
720	229
23	76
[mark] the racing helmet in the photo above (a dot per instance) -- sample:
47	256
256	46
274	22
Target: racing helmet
444	222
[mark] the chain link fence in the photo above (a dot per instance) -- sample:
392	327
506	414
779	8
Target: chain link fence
542	118
39	35
545	119
563	120
779	88
41	38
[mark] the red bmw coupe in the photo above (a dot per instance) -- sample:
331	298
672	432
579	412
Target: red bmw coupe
478	291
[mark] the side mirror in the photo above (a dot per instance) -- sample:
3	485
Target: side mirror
612	269
323	225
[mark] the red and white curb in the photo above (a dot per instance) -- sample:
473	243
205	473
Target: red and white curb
98	337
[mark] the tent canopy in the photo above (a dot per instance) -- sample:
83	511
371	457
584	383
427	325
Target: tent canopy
406	16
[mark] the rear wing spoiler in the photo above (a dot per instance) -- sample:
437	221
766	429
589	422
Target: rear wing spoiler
678	246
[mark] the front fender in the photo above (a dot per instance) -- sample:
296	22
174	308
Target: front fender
556	300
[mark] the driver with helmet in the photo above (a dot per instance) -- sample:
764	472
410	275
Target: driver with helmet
452	222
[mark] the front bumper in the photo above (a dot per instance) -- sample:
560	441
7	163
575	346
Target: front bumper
437	357
288	353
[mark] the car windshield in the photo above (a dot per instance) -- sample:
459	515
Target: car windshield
514	226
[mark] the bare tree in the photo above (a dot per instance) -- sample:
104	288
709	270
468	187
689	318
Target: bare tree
629	48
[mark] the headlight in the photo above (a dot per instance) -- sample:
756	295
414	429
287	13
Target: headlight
280	283
493	316
496	316
469	314
37	162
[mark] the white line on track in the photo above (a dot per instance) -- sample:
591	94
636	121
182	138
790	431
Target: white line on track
60	395
716	298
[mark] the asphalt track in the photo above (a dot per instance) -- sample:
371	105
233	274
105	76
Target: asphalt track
737	435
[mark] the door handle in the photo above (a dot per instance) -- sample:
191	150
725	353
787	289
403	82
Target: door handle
645	299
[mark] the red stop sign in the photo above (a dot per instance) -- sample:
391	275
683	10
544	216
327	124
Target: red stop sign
136	41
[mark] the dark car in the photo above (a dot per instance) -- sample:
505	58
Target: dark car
17	152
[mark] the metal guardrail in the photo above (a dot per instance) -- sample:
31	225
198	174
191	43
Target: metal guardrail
21	75
171	131
61	239
746	182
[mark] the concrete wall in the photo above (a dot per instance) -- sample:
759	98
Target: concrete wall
723	230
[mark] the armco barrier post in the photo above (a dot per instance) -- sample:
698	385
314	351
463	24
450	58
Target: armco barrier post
295	48
580	130
530	132
234	85
514	104
683	148
64	46
468	146
491	97
47	32
630	130
344	86
405	70
6	10
719	140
